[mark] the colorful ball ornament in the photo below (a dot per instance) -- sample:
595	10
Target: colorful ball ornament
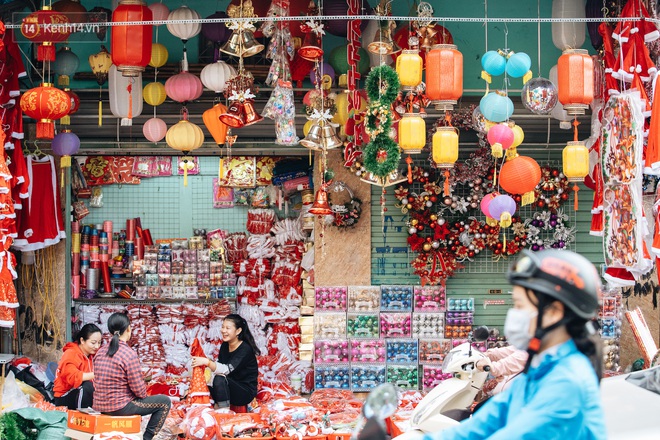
200	424
539	95
479	122
518	65
493	63
496	107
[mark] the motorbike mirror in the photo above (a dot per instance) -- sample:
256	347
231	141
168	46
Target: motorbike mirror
480	333
381	402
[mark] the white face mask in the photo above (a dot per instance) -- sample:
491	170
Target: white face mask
516	327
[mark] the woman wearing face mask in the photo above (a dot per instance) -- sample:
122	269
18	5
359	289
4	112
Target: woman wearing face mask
555	296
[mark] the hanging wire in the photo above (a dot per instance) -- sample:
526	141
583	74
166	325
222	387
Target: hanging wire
486	23
538	36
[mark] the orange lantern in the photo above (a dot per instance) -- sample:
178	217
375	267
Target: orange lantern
214	125
45	104
46	27
131	45
520	175
575	71
444	76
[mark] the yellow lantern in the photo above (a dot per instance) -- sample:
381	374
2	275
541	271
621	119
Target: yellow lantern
409	66
154	94
159	55
518	136
575	161
412	133
307	126
445	147
186	137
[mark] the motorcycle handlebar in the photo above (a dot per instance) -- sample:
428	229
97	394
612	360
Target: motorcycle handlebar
487	368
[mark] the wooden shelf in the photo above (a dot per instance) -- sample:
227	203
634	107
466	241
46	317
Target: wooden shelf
149	301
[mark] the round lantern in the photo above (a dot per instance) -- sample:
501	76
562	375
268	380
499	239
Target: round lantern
214	76
539	95
184	31
339	62
445	147
75	106
183	87
100	63
575	70
159	55
569	33
214	125
154	129
326	73
65	144
131	44
493	63
500	138
125	95
160	11
502	208
340	27
575	161
485	203
46	27
341	103
65	65
518	136
218	32
409	66
496	107
45	104
520	175
72	9
412	133
518	65
184	136
154	94
444	76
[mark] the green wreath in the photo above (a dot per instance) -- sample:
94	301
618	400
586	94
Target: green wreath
378	120
381	156
382	85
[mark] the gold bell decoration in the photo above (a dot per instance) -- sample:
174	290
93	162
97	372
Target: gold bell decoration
242	43
383	44
575	162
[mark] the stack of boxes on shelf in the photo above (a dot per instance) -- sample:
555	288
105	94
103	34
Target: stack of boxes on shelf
609	317
368	335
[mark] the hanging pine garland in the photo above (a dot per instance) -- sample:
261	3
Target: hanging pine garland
381	156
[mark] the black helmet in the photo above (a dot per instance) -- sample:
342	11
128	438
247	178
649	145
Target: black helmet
562	275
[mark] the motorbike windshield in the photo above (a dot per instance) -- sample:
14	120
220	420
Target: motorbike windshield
450	358
646	379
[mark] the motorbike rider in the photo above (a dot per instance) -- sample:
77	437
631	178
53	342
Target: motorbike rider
555	296
504	364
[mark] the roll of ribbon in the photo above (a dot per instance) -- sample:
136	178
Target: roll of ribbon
107	227
115	249
75	227
75	242
75	286
75	264
146	236
93	278
130	249
86	230
130	229
95	264
105	272
139	248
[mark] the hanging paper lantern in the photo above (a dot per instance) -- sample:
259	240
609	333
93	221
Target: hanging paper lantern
214	76
445	147
575	161
539	95
184	31
485	203
125	95
502	208
444	76
409	66
496	107
154	129
518	65
500	138
339	62
65	65
75	106
327	74
567	34
65	144
46	27
72	9
341	103
575	70
520	175
184	136
131	44
45	104
183	87
558	111
100	63
214	125
99	15
160	11
218	32
159	55
412	133
154	94
339	27
493	63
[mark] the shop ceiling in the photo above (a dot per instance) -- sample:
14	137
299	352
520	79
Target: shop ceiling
541	132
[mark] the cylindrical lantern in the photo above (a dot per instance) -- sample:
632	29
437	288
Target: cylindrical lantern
46	27
412	133
65	144
184	136
445	147
45	104
183	87
568	33
154	129
500	138
159	55
558	111
75	106
575	161
131	44
214	76
496	107
214	125
575	70
520	175
65	65
125	95
409	66
154	94
444	76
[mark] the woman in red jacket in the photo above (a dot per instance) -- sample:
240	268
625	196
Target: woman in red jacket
73	385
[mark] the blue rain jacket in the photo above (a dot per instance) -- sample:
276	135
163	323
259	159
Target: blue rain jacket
559	399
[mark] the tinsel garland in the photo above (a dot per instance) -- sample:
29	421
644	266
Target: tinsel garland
382	85
381	156
12	426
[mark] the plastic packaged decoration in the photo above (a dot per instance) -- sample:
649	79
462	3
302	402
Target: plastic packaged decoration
460	304
331	350
332	376
395	325
362	325
367	350
396	298
432	376
363	298
433	350
458	331
367	376
402	350
429	299
329	325
428	325
403	376
459	318
331	298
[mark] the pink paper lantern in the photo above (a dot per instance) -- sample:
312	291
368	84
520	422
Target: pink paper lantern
154	129
500	205
501	134
485	203
184	87
159	11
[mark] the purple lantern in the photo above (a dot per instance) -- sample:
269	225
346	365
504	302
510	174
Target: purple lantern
485	203
324	69
216	32
500	205
340	27
66	143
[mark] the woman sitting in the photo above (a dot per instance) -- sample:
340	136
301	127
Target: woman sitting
120	387
73	385
236	370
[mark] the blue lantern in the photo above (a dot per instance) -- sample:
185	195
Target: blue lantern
493	63
518	65
496	107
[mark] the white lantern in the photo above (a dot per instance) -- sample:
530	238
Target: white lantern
125	95
558	111
568	34
184	31
214	76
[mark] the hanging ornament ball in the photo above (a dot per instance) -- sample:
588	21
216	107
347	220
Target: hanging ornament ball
493	63
427	247
479	122
518	65
539	95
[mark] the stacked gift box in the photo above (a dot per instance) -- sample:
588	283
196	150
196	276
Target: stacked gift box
367	335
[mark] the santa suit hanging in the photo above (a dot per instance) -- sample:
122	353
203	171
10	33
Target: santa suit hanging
198	394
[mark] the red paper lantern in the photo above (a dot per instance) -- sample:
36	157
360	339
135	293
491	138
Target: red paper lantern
45	104
520	175
444	76
131	45
46	27
575	71
184	87
75	106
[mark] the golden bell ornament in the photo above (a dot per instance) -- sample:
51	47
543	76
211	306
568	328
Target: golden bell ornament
251	116
242	44
313	138
383	43
329	138
321	205
235	116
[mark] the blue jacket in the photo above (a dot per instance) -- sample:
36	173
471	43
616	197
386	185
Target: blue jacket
559	399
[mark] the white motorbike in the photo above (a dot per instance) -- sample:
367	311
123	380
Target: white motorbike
456	393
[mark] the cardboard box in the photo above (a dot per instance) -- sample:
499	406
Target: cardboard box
79	435
97	423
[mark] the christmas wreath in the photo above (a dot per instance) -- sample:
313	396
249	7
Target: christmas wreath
381	156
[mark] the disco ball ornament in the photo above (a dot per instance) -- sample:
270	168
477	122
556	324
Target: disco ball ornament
539	95
479	121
